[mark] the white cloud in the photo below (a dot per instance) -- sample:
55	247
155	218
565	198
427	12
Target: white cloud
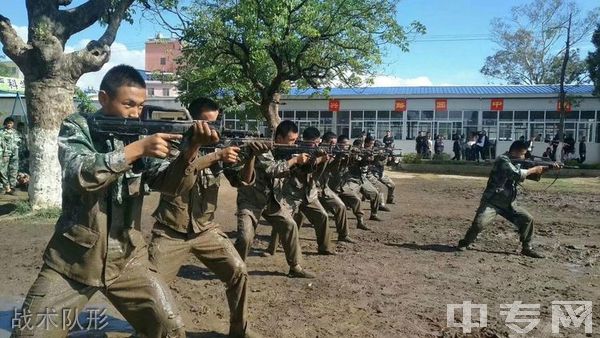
120	54
393	81
21	32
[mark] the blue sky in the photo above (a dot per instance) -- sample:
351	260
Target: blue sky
451	53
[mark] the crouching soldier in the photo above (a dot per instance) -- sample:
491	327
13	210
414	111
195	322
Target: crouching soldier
500	195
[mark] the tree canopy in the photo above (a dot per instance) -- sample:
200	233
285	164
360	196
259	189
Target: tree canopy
531	43
250	52
593	61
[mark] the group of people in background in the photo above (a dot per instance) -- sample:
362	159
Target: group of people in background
13	156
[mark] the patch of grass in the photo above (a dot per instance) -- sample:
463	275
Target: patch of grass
22	208
23	211
575	185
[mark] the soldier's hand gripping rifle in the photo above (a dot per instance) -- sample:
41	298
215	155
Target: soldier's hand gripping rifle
536	161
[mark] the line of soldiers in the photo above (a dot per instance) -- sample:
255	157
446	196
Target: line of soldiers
98	245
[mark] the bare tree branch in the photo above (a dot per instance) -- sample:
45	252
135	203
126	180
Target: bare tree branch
12	45
89	59
81	17
114	22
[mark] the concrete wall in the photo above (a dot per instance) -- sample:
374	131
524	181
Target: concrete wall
169	49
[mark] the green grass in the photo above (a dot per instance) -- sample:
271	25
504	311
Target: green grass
23	211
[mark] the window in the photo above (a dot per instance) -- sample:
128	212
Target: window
506	115
588	116
455	115
163	61
427	115
343	123
383	115
397	116
412	115
370	115
300	115
165	92
150	91
288	115
326	121
382	127
521	116
537	116
441	115
356	115
313	115
396	128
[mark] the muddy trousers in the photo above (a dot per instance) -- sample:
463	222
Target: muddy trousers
371	193
317	216
170	249
486	213
332	203
139	293
9	167
352	200
390	185
282	224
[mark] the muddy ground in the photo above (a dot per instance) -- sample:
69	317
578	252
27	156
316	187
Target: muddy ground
395	282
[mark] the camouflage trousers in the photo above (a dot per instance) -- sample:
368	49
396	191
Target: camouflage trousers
9	168
486	213
170	249
139	294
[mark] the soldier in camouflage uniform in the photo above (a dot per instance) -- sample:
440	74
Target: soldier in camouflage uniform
300	193
499	198
376	175
185	223
10	140
97	244
328	198
347	189
265	198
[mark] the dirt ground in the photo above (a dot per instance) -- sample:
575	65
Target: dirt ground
395	282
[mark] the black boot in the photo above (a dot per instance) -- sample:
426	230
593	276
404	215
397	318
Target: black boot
530	252
463	245
360	224
374	217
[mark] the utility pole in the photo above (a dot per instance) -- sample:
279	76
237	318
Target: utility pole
562	98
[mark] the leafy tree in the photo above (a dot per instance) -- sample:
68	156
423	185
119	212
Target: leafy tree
5	69
531	43
593	61
51	74
84	103
251	52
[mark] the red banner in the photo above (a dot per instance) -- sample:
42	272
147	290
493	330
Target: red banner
400	105
567	106
441	105
334	105
497	104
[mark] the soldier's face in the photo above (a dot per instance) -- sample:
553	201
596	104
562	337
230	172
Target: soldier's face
520	153
209	115
127	102
290	138
9	125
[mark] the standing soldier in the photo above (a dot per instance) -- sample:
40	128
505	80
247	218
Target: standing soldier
185	223
300	191
265	198
376	175
97	243
329	199
10	140
499	198
348	191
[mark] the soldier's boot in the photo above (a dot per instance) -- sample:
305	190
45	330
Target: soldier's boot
390	200
360	224
374	217
346	239
383	207
298	272
463	245
530	252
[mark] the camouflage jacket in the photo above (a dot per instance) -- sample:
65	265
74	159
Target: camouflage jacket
501	189
98	232
193	211
10	140
267	187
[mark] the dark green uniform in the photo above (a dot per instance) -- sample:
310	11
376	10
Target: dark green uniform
10	143
97	243
499	198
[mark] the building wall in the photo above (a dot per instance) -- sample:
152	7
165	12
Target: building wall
161	55
161	89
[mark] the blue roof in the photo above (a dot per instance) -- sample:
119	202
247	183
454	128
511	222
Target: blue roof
449	90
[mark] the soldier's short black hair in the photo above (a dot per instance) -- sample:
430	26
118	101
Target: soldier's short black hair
201	105
518	146
119	76
311	133
8	119
328	136
343	138
285	127
369	139
357	143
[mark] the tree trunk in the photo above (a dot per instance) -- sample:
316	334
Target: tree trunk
49	101
269	108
